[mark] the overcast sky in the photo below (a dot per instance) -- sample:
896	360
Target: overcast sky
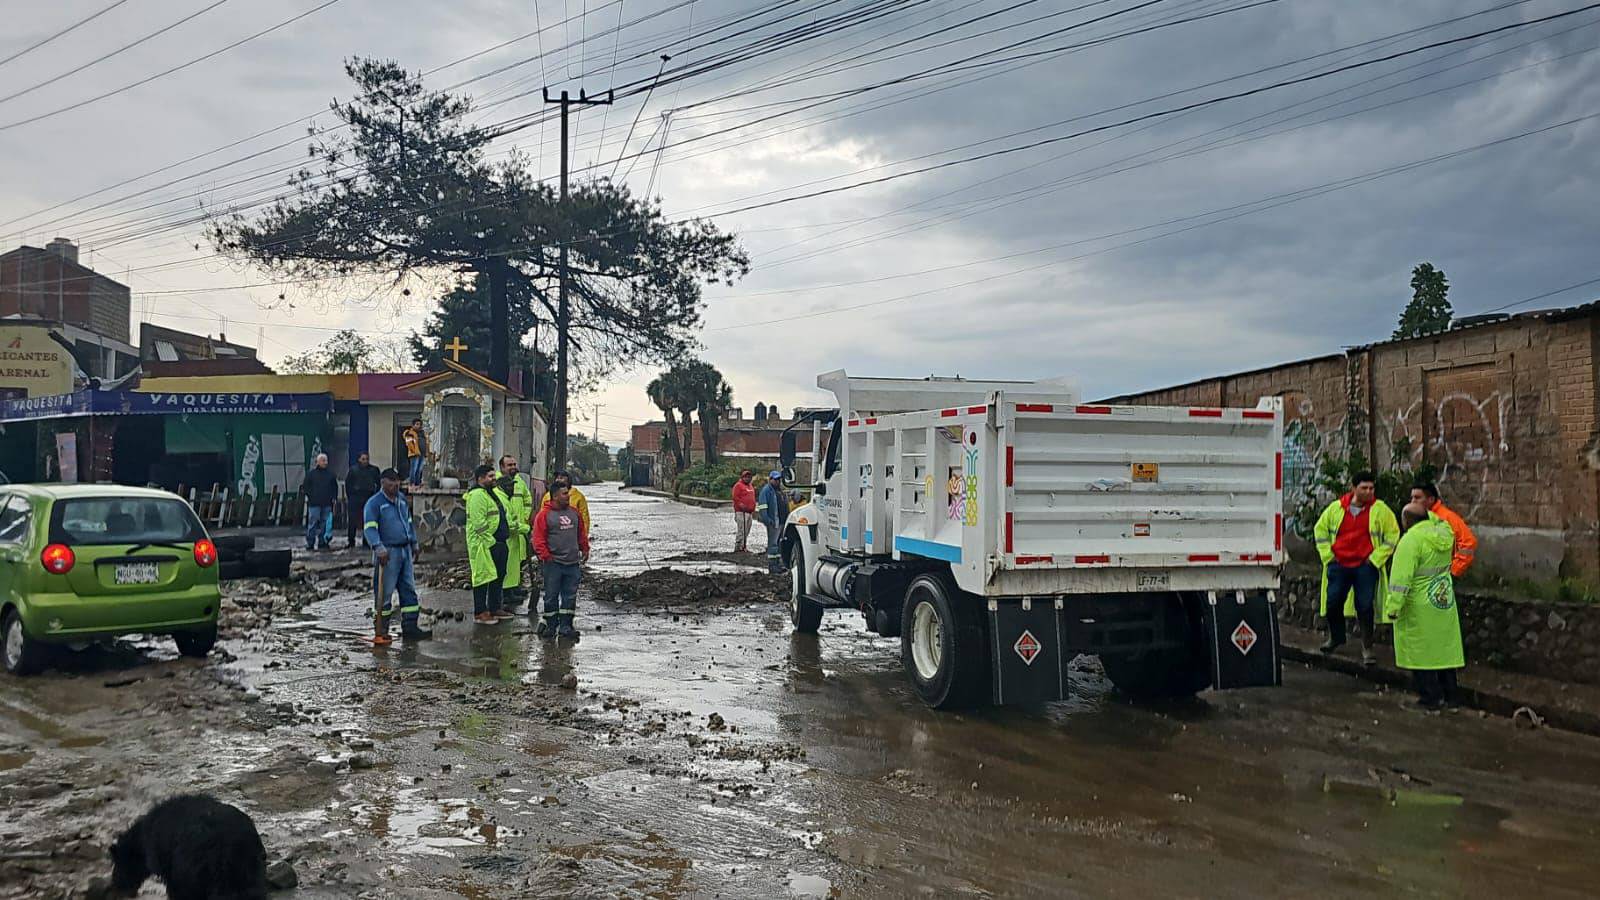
1098	257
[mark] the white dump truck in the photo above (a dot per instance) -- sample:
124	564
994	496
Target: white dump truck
1000	529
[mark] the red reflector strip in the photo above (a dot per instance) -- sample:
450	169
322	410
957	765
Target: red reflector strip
1260	414
977	410
1091	560
1009	522
1030	560
1205	413
1255	557
872	421
1204	557
1093	410
1035	407
947	413
1011	465
853	422
1277	532
1277	479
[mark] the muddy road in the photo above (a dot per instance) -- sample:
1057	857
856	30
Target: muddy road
707	752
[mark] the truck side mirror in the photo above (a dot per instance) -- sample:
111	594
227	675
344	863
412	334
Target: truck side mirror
787	448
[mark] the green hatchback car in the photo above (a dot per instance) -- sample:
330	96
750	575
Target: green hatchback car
84	562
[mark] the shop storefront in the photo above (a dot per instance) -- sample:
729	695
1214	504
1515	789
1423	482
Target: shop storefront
251	443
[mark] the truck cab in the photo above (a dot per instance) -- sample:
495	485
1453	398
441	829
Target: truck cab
1000	528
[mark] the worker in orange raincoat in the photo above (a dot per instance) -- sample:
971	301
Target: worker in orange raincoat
1426	493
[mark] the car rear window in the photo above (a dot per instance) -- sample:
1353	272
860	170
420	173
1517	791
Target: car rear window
123	520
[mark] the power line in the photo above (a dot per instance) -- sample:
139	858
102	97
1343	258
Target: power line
103	57
178	68
1237	211
74	26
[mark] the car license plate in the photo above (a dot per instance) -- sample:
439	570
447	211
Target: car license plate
1155	581
137	573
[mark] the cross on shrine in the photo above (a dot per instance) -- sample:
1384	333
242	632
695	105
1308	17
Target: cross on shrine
455	347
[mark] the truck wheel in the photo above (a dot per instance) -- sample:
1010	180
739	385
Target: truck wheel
804	614
1157	675
23	655
942	645
196	643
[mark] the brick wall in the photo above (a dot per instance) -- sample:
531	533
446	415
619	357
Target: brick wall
1507	413
40	283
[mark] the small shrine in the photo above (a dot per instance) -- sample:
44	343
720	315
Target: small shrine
468	419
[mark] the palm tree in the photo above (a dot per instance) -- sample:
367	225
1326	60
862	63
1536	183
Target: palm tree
662	391
713	398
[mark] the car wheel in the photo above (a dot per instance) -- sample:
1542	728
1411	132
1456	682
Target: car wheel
196	643
22	655
804	614
942	645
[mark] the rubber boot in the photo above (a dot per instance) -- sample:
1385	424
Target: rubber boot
1368	656
1329	646
567	630
546	628
411	631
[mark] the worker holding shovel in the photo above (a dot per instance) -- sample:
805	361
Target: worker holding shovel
387	526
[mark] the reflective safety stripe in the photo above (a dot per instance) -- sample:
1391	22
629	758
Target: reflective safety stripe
371	525
387	611
1467	551
760	507
410	609
1398	588
1432	571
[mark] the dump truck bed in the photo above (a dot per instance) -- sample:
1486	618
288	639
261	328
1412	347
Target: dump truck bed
1039	498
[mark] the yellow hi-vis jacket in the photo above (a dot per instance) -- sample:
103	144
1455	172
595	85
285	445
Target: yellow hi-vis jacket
1421	601
519	515
483	520
1385	532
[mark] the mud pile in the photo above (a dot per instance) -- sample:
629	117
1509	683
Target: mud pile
670	587
251	603
756	560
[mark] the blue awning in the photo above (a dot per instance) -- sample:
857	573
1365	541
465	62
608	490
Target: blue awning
140	403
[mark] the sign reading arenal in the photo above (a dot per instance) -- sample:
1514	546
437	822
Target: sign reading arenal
137	403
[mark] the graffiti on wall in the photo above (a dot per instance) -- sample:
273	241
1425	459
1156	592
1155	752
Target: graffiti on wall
1462	434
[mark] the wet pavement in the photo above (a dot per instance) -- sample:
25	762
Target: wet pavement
707	752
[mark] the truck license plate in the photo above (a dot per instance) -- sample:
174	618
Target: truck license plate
137	573
1155	581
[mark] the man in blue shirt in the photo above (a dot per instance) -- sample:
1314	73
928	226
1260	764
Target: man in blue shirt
387	526
772	507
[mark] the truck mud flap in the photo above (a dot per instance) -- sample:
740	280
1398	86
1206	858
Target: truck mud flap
1026	651
1241	629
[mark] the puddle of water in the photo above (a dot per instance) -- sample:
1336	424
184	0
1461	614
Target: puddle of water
53	732
803	885
9	761
419	824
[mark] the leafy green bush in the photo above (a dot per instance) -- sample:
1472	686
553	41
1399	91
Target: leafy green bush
708	481
1333	480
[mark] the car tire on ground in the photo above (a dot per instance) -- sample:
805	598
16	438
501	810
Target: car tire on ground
230	569
804	614
235	543
942	645
21	654
268	563
196	643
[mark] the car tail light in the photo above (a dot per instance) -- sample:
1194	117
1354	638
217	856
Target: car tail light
58	559
205	552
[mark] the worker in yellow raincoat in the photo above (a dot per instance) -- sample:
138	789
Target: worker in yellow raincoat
1356	534
518	501
488	530
1421	603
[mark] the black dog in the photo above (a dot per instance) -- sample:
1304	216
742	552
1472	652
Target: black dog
202	849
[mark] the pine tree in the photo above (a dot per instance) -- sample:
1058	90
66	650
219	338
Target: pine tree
1429	310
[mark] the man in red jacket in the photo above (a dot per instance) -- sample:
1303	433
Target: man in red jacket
563	545
744	510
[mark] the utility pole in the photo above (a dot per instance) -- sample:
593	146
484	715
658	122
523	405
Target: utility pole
563	309
597	408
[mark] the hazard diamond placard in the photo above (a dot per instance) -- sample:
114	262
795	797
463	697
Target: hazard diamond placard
1244	637
1027	647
